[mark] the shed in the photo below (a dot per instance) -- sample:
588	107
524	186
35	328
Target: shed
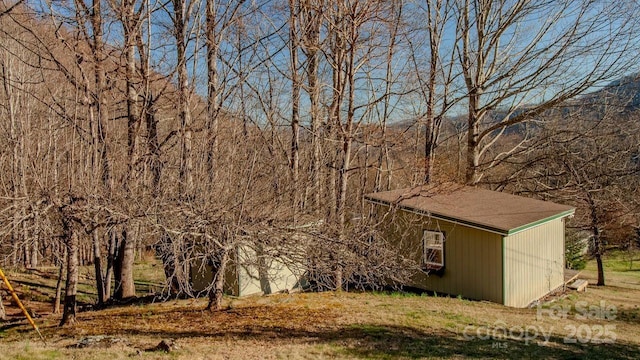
477	243
251	270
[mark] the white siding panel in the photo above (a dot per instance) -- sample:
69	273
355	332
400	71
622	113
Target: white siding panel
261	274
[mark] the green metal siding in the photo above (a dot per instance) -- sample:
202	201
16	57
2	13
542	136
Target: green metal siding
534	263
473	257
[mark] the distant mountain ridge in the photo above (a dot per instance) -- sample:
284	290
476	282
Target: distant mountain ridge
624	92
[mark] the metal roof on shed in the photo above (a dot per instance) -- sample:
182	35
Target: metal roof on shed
485	209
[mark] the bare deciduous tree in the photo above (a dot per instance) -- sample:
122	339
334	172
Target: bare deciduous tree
516	67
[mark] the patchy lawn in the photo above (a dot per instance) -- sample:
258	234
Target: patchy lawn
601	323
621	268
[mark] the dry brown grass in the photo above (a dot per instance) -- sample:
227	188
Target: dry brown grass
328	325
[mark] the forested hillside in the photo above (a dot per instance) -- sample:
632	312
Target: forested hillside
186	128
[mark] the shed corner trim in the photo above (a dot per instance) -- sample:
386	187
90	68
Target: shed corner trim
540	222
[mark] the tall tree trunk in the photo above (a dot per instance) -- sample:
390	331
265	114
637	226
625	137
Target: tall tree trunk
99	131
597	241
212	89
473	63
438	12
34	251
149	109
111	258
473	144
316	128
186	159
337	57
71	287
181	13
216	295
343	182
97	263
125	286
311	18
600	268
430	138
14	130
61	265
153	147
130	28
295	105
383	155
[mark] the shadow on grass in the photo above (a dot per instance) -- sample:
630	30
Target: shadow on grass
380	342
385	342
9	324
286	324
41	286
374	341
